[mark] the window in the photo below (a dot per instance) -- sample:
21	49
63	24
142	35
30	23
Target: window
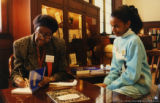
108	10
75	26
108	16
99	3
87	1
0	18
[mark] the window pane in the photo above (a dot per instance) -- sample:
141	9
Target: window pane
101	27
87	1
108	28
108	16
99	3
109	2
91	27
108	11
75	26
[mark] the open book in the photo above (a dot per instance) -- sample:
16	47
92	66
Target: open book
74	83
35	77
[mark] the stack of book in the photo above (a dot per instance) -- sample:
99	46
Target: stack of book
87	70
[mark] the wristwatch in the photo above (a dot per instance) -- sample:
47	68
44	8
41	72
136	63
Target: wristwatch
51	79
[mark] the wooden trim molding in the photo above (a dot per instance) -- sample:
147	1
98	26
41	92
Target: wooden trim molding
116	4
150	24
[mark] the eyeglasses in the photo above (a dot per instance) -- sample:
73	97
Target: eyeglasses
44	35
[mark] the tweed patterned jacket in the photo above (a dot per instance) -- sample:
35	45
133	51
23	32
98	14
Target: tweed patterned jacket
26	58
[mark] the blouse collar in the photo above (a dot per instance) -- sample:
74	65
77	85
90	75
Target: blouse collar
129	32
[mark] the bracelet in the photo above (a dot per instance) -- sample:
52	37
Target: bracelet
51	79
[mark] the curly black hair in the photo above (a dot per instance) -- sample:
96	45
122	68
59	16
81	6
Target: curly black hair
47	21
129	13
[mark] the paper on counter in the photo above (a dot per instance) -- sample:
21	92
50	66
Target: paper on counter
22	91
74	83
68	96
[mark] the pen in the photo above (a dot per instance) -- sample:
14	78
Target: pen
25	79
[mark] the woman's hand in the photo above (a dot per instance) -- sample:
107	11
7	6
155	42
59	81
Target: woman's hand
101	85
45	81
21	82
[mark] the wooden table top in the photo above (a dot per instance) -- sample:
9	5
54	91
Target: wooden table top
96	94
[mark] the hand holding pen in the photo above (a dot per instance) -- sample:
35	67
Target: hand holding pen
22	82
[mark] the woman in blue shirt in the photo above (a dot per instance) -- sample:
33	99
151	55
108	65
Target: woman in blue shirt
130	73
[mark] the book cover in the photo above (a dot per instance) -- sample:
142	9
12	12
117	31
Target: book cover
83	70
35	77
67	96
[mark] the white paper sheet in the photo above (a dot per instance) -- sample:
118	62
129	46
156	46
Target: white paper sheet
22	91
49	58
74	83
68	96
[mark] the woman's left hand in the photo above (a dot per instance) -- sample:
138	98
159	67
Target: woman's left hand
45	81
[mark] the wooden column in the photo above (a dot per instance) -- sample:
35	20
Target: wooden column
104	16
116	4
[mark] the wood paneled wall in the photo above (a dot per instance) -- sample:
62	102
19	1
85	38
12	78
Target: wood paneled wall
5	52
116	4
150	24
22	13
21	18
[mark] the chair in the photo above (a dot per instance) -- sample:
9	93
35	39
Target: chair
10	64
147	42
155	58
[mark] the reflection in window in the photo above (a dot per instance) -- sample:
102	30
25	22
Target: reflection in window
99	3
58	15
91	28
0	18
108	9
75	26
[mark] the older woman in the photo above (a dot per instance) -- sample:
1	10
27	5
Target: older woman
30	53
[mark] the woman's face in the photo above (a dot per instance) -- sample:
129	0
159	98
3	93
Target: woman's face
42	35
118	26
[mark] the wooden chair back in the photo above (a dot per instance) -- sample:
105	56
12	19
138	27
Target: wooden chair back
154	55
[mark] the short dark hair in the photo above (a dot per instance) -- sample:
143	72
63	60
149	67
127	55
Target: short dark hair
47	21
129	13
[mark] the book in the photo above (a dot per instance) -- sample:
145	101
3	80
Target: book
83	70
95	72
35	76
73	58
91	68
74	83
22	91
67	96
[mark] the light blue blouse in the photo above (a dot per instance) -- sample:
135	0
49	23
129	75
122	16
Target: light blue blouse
129	65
